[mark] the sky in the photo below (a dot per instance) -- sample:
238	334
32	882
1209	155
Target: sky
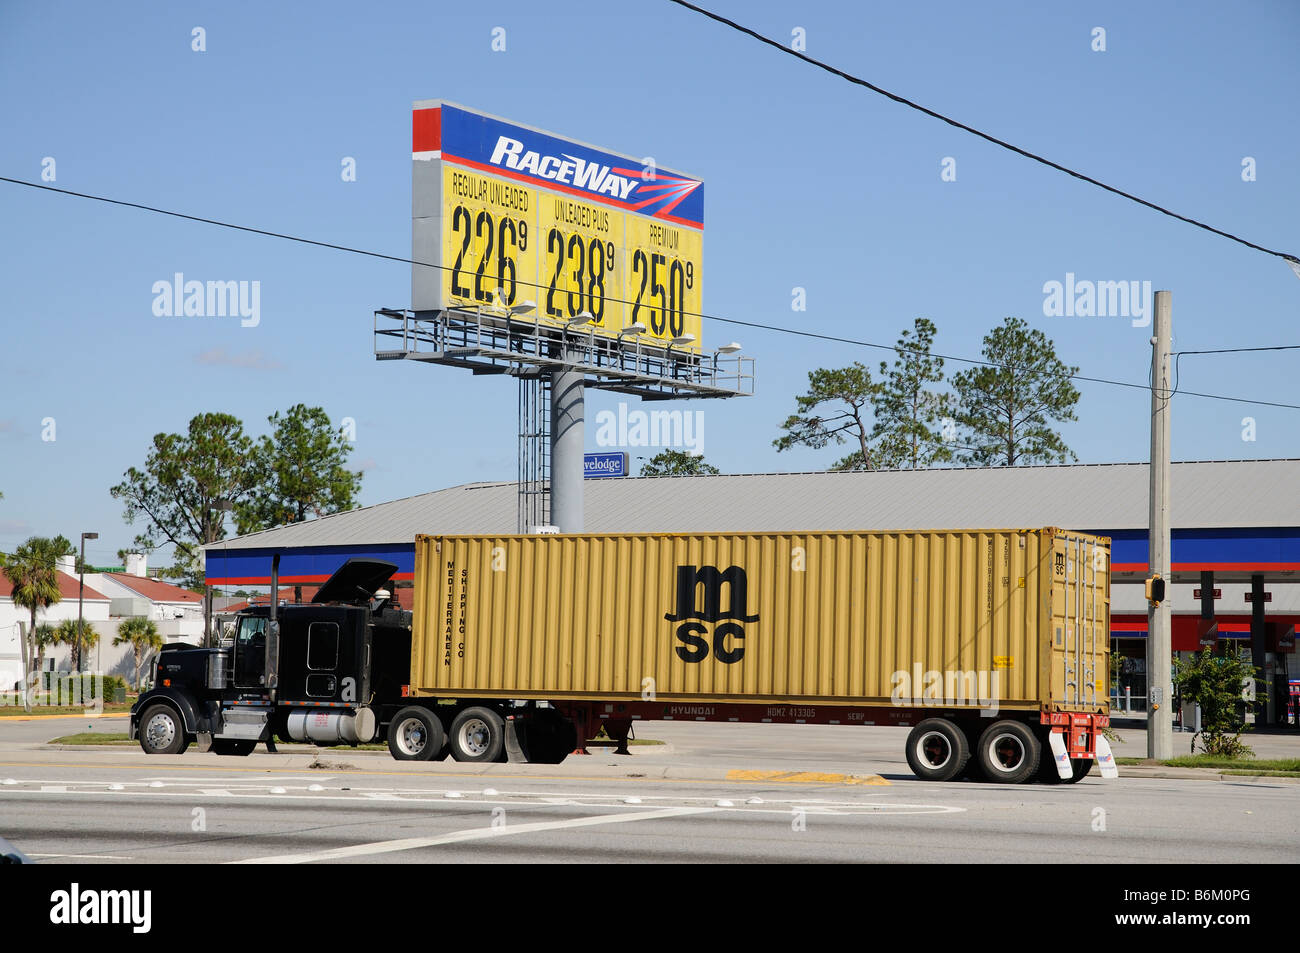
810	183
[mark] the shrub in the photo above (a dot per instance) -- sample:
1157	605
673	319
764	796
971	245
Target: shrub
1215	683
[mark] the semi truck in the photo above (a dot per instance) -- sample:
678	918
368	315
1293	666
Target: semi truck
991	645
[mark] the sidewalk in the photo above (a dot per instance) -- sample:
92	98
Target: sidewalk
1273	742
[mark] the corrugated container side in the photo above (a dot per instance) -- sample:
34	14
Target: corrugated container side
829	618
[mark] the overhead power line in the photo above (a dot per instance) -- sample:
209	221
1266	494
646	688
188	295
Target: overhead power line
858	81
816	335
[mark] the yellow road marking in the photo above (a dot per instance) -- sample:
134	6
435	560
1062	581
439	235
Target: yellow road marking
89	714
795	776
806	777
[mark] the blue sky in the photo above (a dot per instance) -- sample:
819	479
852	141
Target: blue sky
810	183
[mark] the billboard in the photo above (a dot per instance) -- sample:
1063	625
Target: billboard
571	227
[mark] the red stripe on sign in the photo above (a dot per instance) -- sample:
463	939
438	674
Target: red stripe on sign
570	190
426	130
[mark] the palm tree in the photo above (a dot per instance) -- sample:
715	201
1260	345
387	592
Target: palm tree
67	633
141	634
32	571
44	637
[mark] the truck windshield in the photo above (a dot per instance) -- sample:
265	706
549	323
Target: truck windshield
250	651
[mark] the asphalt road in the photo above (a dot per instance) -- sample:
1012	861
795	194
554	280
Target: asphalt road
702	798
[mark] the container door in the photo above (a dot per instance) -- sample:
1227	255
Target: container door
1080	623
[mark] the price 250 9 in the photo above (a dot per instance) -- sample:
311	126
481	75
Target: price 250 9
670	315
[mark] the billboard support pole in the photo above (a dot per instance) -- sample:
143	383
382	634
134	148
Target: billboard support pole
567	443
1160	724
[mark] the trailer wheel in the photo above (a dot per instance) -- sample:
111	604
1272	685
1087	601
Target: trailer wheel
551	740
415	734
1079	768
937	750
478	735
1008	752
238	748
162	731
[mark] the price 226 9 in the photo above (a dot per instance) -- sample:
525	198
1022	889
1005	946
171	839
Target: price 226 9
508	236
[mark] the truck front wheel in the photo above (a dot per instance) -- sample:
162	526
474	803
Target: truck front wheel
415	734
1008	752
162	731
478	735
937	750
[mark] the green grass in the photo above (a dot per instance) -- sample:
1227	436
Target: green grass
1274	767
94	738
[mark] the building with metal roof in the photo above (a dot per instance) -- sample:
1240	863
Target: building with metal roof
1258	499
1236	529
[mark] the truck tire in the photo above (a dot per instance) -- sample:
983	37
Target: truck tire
550	740
1008	752
1047	767
478	735
415	734
233	747
937	750
1079	768
162	731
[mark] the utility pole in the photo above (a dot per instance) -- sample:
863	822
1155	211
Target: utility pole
81	596
1160	726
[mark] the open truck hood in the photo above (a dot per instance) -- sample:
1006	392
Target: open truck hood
356	581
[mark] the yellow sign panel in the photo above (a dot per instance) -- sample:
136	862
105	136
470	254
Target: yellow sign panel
568	256
663	262
488	235
582	259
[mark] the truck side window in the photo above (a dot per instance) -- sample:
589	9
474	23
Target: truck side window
323	646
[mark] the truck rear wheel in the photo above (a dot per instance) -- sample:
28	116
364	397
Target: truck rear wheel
478	736
415	734
1008	752
162	731
1079	768
937	750
550	740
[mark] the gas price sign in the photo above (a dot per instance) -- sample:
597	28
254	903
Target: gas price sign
551	220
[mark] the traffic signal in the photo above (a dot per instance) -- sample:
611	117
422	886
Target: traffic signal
1155	588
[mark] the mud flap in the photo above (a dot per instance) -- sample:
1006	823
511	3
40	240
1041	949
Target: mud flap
204	739
514	751
1106	760
1056	741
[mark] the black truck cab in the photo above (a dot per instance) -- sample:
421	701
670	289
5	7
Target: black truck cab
310	672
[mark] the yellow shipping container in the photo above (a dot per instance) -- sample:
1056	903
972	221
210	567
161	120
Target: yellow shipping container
955	618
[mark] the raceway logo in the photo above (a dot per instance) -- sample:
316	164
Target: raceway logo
649	191
444	131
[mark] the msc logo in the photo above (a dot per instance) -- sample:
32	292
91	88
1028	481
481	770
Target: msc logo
1058	563
692	632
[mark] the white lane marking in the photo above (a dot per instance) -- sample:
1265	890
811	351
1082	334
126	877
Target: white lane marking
478	833
82	856
768	807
